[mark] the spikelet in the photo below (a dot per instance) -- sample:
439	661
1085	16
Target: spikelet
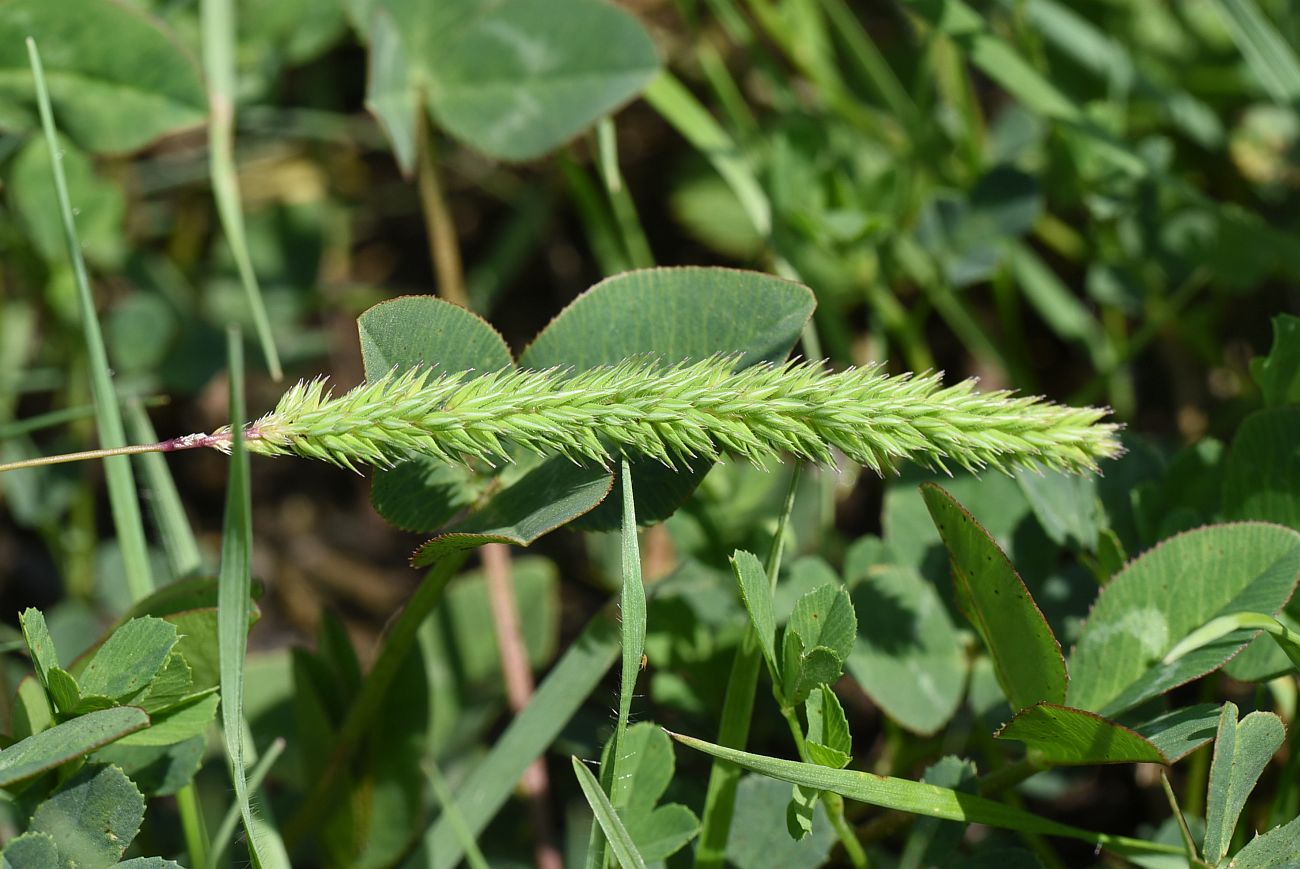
682	412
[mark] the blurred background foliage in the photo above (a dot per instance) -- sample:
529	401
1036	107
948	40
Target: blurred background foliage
1096	201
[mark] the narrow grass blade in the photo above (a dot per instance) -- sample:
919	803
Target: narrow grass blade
491	783
632	608
620	200
1267	54
108	418
169	514
676	105
256	776
218	24
607	819
447	801
737	711
63	415
919	798
233	594
1287	640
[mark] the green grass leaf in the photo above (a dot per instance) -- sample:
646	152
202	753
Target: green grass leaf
1165	594
907	657
218	32
486	789
620	843
917	798
1025	653
44	751
1242	750
113	100
108	418
163	499
234	591
1267	53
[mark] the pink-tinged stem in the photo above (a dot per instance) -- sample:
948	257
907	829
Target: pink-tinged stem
187	442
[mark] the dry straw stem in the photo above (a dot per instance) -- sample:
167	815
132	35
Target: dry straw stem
678	413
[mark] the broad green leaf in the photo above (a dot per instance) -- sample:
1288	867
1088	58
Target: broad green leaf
673	314
1163	596
425	332
932	840
1278	373
392	92
620	842
1181	731
1262	478
803	669
907	658
32	711
1060	735
92	817
64	690
658	831
173	684
148	863
129	658
758	841
916	797
1274	849
1066	505
177	724
828	728
1025	653
100	204
1242	750
492	781
547	497
518	79
423	493
31	851
158	771
756	592
64	742
106	100
799	811
824	617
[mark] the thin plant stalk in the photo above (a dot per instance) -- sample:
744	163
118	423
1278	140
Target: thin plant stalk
620	200
443	247
218	31
193	827
122	494
447	802
737	712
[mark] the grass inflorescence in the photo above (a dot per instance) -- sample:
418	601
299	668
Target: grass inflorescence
678	413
